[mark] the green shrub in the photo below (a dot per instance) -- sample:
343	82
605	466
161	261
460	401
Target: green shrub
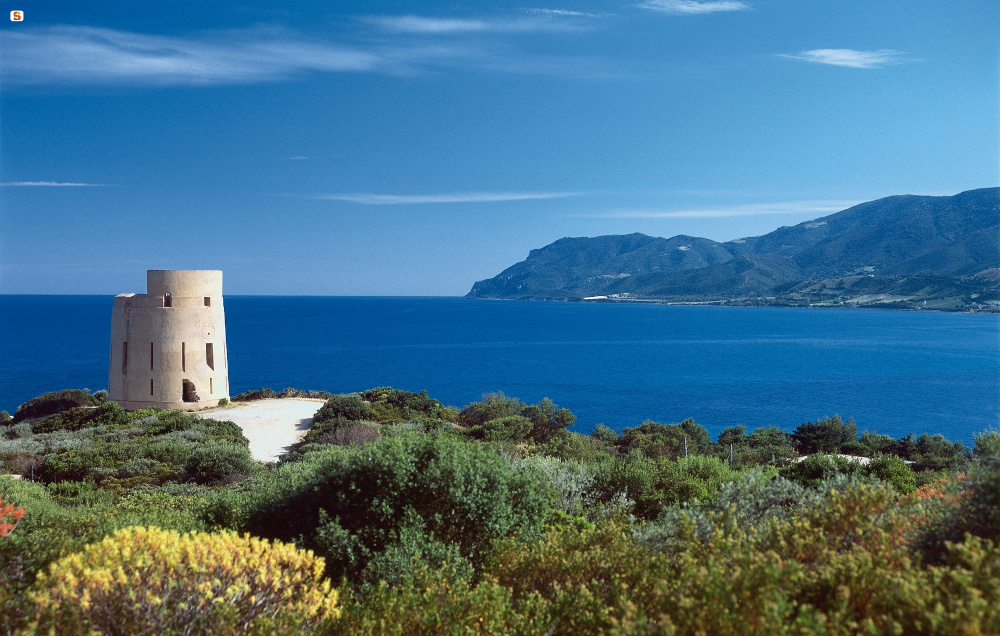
812	470
892	470
262	393
511	428
391	405
219	462
493	406
987	445
224	402
568	445
604	435
74	419
570	481
167	451
5	418
875	443
226	431
654	484
344	407
733	435
352	503
437	601
348	434
51	403
138	467
653	439
826	435
64	466
548	420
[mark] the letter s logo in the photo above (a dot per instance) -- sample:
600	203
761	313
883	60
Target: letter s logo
17	16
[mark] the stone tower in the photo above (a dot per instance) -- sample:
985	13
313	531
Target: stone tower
168	346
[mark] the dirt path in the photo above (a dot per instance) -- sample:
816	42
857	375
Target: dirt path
270	425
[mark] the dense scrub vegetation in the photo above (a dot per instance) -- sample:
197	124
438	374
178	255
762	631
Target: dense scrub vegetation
398	514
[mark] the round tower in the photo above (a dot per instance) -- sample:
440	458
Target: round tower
168	346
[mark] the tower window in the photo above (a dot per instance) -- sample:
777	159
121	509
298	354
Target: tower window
210	386
124	357
151	386
208	301
183	357
210	355
150	356
168	301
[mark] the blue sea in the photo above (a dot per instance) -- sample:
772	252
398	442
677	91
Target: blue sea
893	372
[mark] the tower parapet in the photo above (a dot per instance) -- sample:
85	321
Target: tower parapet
168	346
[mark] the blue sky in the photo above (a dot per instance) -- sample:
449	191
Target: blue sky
412	148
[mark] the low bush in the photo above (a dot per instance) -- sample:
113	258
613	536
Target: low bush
394	405
812	470
262	393
148	580
566	445
219	462
343	407
546	418
826	435
52	403
893	471
437	601
654	484
510	428
653	439
354	503
353	433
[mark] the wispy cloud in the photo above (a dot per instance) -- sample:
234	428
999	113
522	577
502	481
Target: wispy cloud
690	7
401	46
850	57
541	20
49	184
437	26
564	12
455	197
78	55
755	209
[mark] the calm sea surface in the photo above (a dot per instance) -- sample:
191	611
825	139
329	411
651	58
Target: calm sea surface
894	372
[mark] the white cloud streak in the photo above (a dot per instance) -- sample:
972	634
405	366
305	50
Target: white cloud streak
564	12
755	209
50	184
849	57
81	55
690	7
435	26
543	20
456	197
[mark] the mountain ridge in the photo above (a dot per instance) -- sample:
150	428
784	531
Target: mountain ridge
945	241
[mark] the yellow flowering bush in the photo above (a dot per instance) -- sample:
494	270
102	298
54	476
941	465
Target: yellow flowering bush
152	581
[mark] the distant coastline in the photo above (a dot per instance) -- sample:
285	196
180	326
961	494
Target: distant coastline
992	308
901	252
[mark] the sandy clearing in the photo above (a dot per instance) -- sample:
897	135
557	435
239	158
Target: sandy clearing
270	425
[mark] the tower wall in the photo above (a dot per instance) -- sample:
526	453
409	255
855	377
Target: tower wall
169	338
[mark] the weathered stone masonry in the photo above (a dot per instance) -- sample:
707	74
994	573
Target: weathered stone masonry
168	346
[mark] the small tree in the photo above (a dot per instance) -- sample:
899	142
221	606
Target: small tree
825	436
